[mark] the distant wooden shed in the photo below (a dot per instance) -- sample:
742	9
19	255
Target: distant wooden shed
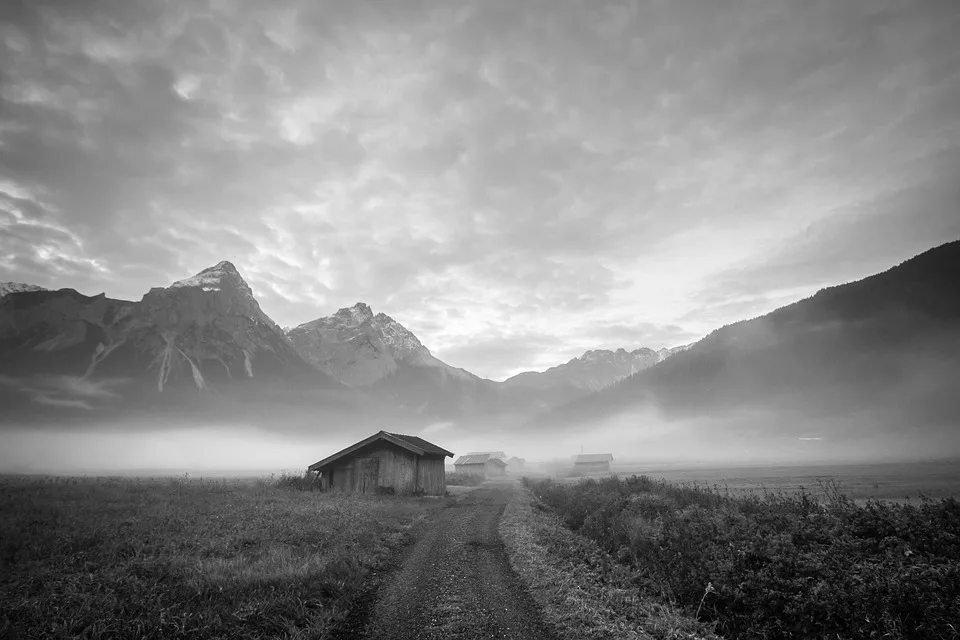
515	464
406	464
590	463
485	465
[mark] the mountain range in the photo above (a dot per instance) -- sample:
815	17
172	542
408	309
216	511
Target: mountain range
200	347
866	359
204	344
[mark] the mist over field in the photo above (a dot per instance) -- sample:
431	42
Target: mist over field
756	436
670	233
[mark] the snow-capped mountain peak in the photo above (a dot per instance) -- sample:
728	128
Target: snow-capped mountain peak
223	278
357	347
211	278
354	316
17	287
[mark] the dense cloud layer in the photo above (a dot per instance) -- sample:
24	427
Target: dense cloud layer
521	179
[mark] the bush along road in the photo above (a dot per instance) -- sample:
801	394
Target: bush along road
454	582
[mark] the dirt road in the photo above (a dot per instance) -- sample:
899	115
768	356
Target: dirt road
455	582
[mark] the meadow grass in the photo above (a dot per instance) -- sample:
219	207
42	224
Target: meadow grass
182	557
777	565
458	479
891	482
584	593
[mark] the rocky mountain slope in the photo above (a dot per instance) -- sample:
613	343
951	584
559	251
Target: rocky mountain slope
204	343
594	370
198	338
360	348
378	354
880	356
17	287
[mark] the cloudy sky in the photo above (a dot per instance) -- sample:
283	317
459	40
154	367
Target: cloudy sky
515	181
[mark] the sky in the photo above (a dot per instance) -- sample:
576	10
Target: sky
514	181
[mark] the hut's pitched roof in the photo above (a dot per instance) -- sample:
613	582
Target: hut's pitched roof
428	447
492	454
592	457
414	444
478	458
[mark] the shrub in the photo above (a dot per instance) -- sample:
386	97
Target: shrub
304	482
457	479
778	565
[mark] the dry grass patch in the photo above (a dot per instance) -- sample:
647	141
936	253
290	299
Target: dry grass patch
583	592
182	558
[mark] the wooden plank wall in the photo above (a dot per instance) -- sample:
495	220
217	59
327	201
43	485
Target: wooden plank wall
470	469
432	478
400	469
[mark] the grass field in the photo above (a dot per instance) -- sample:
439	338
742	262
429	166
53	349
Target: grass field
777	564
186	558
897	482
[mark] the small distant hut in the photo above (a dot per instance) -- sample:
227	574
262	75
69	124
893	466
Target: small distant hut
592	463
484	465
515	464
384	461
493	454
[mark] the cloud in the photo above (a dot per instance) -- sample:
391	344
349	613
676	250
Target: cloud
534	168
860	240
435	428
520	352
64	391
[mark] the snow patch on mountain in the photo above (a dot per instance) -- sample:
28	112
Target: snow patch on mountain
354	316
401	340
17	287
100	354
166	358
209	279
197	376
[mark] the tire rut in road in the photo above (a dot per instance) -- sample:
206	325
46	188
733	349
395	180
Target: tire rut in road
456	582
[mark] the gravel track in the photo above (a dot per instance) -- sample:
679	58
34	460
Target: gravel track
454	583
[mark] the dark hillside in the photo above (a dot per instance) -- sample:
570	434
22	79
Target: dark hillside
886	347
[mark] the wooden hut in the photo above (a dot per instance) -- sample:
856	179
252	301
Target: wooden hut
485	465
406	464
592	463
493	454
515	464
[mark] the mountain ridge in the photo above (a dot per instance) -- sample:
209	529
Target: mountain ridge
207	333
181	346
884	348
595	369
868	357
17	287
